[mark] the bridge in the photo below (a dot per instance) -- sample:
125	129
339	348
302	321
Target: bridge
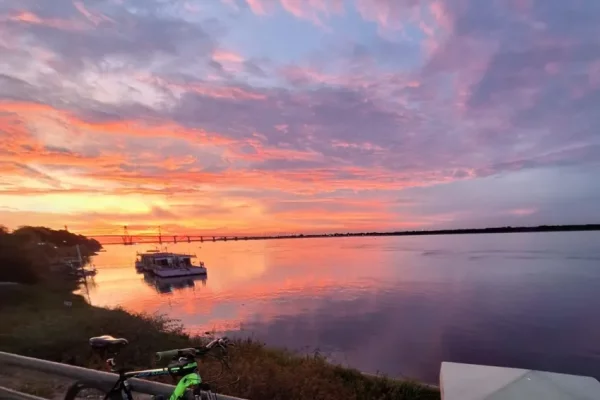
160	239
126	238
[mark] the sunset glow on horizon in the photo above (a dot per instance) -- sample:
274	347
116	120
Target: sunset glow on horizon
285	116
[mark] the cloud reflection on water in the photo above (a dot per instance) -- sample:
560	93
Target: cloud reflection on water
394	305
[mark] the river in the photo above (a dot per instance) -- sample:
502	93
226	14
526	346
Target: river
393	305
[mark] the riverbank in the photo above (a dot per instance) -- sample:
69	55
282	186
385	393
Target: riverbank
48	323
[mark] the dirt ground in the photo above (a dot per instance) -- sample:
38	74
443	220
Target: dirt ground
35	383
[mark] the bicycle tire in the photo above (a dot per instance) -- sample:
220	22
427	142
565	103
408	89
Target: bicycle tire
81	390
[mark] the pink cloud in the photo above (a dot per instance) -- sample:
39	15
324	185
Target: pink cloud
95	18
257	6
297	8
259	152
310	10
227	56
523	211
223	92
440	15
361	146
594	74
352	114
27	17
283	128
388	14
214	90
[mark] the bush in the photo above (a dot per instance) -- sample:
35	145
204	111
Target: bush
16	264
27	253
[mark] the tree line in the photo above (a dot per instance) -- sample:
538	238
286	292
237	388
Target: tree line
28	253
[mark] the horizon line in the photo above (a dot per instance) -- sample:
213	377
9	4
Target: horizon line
507	228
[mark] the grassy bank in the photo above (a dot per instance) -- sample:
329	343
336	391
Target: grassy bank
42	318
37	323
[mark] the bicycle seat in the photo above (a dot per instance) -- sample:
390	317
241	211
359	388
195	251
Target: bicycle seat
102	342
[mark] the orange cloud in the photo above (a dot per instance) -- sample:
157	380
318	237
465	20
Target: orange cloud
303	181
180	173
172	191
164	129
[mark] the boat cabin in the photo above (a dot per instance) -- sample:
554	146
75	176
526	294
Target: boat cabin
165	260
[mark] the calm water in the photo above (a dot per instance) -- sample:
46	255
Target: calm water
397	305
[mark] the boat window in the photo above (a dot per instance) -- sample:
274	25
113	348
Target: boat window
162	261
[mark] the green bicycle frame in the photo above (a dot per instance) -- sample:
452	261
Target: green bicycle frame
184	383
190	377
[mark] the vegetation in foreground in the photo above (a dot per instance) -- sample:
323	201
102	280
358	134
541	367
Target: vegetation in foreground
45	320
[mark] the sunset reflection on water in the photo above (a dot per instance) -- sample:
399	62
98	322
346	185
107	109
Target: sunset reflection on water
394	305
246	280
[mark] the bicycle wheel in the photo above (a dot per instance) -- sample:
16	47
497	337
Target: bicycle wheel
90	391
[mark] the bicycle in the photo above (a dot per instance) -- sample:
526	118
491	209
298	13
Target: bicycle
183	365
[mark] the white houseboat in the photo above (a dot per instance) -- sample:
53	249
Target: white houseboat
168	265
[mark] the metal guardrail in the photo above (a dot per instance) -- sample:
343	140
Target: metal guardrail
6	393
106	379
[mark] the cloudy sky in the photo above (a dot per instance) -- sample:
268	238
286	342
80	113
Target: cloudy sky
298	115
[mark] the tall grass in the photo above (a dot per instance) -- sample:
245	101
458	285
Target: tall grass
37	323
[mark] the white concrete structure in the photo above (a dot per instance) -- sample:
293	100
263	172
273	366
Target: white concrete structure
478	382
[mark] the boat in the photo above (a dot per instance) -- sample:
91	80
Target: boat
77	266
168	265
85	272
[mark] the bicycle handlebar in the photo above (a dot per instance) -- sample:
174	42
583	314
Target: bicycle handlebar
196	351
160	355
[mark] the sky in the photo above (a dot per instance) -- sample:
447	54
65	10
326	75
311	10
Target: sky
280	116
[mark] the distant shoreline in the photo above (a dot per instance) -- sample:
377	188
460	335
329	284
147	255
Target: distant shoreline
151	239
